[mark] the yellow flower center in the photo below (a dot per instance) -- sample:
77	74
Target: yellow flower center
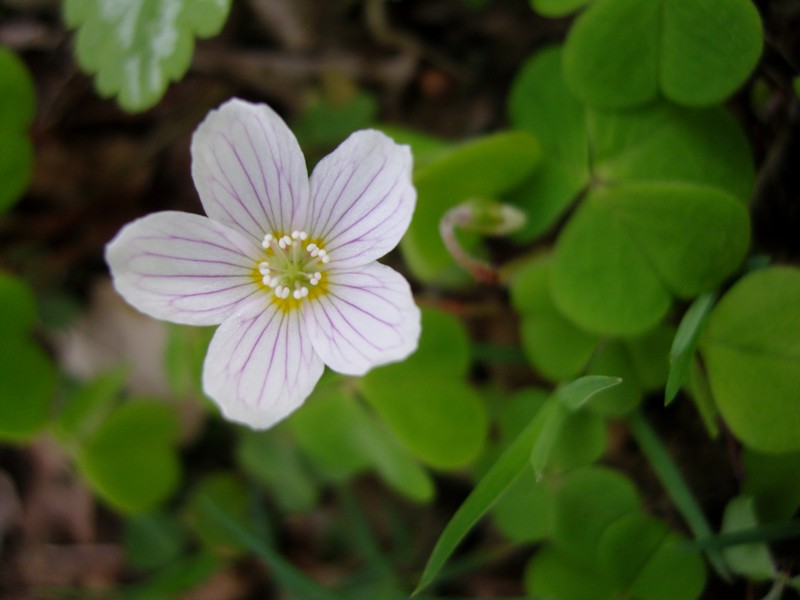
293	269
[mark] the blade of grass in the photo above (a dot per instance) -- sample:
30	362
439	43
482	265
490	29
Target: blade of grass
685	343
490	488
672	480
287	575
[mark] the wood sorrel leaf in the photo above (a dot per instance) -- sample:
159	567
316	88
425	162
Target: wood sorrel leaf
588	501
425	399
552	573
27	376
694	53
750	560
539	102
650	562
556	347
131	459
17	105
136	48
634	246
751	348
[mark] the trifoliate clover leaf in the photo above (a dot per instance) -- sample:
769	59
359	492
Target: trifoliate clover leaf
135	48
17	105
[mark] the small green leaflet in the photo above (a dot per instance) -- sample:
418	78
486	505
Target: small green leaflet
136	47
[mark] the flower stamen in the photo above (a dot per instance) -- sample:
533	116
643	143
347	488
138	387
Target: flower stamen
294	269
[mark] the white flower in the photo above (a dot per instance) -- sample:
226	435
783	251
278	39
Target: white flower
283	263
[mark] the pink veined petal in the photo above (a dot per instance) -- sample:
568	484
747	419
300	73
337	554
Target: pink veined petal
367	318
362	198
182	267
249	170
260	365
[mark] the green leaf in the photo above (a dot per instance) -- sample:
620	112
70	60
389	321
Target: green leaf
274	462
676	487
176	578
539	102
131	459
395	464
588	501
17	106
184	357
555	347
649	355
667	143
576	394
750	560
771	480
27	386
557	8
637	245
136	48
685	343
492	486
330	419
228	494
522	514
153	540
555	575
88	406
499	478
425	148
425	400
328	120
751	349
613	357
694	52
484	168
650	562
17	305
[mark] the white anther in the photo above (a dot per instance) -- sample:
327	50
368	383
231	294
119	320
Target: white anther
274	283
297	294
326	259
304	291
295	235
266	280
267	240
286	292
303	235
263	268
311	247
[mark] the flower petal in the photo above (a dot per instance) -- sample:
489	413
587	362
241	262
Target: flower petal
249	170
367	318
260	365
182	267
362	198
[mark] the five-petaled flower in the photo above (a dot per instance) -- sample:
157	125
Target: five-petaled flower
284	264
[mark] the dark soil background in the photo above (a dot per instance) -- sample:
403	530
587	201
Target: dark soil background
440	66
